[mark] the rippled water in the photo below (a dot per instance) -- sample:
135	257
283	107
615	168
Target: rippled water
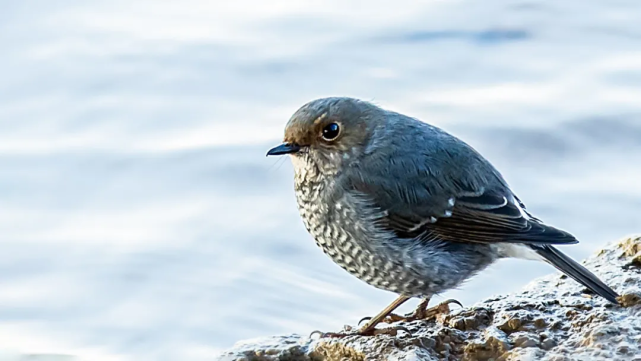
140	220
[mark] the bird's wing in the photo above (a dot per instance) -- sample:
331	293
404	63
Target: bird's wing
491	217
459	197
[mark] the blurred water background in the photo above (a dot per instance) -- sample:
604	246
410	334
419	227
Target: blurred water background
140	220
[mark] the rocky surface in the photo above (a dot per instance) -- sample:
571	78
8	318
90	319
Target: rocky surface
550	319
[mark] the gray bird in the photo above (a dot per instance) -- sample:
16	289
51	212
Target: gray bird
407	207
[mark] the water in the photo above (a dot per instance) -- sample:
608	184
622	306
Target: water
140	220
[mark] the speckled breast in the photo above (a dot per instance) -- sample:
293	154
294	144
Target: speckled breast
332	227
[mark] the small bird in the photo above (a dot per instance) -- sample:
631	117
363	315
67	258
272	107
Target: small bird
409	208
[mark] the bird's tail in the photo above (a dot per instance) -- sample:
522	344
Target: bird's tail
577	272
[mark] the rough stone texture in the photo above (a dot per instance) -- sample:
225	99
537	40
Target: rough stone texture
550	319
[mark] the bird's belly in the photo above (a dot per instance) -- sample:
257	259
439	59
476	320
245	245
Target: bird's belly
408	267
334	231
383	268
374	268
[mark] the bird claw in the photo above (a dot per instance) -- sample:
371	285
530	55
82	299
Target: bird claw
441	308
423	314
451	301
332	334
391	331
348	332
392	317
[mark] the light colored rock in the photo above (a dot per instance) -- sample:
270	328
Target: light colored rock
550	319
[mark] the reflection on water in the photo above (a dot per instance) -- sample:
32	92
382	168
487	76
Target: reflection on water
141	220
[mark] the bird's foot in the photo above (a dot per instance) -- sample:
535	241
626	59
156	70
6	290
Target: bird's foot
364	331
421	312
424	313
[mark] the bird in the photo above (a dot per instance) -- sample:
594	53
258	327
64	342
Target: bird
409	208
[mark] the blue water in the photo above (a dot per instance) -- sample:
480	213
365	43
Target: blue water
140	220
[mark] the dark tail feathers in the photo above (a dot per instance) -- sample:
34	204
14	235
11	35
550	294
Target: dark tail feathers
579	273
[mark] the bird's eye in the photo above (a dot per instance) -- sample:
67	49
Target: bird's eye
331	131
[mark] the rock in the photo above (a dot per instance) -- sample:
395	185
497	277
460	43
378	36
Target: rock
550	319
273	348
524	340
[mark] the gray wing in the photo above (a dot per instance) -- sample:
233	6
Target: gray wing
447	192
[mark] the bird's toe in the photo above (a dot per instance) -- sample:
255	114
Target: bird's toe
442	308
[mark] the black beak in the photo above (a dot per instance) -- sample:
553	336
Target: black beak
285	148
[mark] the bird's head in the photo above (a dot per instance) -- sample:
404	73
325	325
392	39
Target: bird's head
327	134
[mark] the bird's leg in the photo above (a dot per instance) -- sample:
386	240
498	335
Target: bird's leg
417	314
369	329
422	312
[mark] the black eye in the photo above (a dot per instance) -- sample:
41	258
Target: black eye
330	132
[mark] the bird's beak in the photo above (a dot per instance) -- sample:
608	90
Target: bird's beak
285	148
